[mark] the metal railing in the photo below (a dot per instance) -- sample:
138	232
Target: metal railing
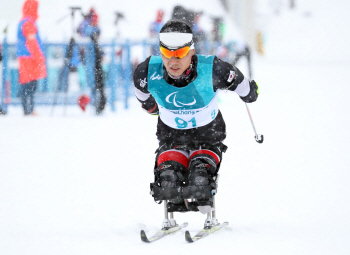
117	71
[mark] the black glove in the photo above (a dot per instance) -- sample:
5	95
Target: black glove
253	93
153	111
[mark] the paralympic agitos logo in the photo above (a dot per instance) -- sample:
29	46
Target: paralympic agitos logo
177	103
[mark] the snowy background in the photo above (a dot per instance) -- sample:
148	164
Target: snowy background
79	184
55	21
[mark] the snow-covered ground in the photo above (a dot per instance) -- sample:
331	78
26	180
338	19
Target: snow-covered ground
79	184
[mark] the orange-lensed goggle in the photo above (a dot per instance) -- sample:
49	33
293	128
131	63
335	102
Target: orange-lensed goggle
178	53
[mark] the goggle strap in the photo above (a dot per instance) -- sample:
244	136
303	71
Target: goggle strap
166	47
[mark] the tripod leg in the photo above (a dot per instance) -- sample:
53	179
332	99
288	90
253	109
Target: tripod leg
65	101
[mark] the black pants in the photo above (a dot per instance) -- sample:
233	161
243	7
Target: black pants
28	90
212	133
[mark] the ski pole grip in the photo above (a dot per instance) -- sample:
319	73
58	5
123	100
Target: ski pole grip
259	138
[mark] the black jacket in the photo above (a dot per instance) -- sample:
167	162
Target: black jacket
212	133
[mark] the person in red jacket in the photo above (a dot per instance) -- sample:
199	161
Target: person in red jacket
30	55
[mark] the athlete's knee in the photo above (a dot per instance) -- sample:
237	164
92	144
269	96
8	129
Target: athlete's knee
203	166
171	168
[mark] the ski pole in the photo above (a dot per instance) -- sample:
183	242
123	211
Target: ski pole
258	138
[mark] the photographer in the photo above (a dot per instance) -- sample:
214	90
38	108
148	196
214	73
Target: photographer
89	28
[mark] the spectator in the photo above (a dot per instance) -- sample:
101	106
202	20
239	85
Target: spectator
199	36
30	55
89	26
218	29
154	30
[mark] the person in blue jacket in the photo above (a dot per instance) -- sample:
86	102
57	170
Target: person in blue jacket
154	30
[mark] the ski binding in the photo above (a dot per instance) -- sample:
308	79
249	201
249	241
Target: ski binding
204	232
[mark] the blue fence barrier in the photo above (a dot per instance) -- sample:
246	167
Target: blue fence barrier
117	68
117	71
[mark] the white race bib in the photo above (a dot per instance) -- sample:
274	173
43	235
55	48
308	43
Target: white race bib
186	119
